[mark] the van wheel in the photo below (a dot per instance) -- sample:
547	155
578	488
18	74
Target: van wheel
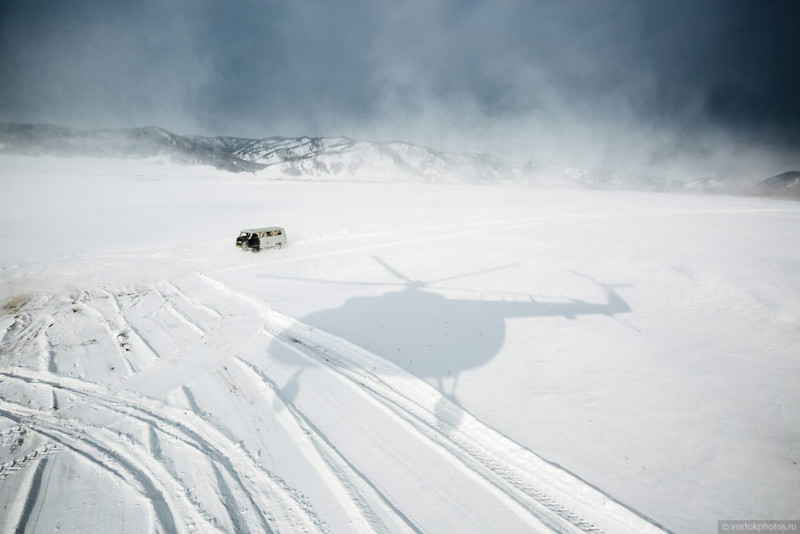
254	249
278	246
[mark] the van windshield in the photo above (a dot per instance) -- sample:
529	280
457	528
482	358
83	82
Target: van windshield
244	234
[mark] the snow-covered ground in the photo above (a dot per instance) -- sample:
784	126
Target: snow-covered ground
420	358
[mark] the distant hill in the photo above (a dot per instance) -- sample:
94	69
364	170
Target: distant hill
134	143
291	158
343	159
787	180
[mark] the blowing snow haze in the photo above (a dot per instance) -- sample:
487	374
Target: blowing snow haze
670	87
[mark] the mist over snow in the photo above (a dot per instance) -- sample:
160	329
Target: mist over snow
344	159
303	158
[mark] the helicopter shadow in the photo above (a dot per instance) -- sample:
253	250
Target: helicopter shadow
438	338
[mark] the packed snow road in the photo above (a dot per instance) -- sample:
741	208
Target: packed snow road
416	360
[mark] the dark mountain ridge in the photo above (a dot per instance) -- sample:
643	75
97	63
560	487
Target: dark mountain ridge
134	143
345	159
785	180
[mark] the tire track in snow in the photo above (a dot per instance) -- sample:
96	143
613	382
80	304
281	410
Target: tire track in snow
22	462
113	335
183	318
40	339
18	337
560	500
350	478
435	233
275	505
552	495
291	343
347	474
204	307
32	497
238	521
297	340
173	306
439	233
111	459
514	476
198	355
49	355
427	428
120	330
127	328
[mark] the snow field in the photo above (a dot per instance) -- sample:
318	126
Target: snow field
413	361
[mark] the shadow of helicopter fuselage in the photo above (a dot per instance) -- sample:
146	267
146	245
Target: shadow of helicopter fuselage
435	337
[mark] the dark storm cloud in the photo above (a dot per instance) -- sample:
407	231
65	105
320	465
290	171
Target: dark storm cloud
94	63
583	81
740	57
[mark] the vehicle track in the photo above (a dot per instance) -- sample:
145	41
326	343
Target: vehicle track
546	492
444	232
354	483
114	448
449	231
142	441
467	454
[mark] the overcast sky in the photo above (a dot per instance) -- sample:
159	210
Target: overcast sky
589	81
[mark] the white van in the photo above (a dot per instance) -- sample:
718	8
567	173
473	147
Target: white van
257	238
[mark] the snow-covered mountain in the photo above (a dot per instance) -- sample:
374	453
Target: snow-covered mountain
345	159
317	158
786	180
132	143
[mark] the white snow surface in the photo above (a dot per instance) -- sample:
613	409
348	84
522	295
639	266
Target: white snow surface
419	358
